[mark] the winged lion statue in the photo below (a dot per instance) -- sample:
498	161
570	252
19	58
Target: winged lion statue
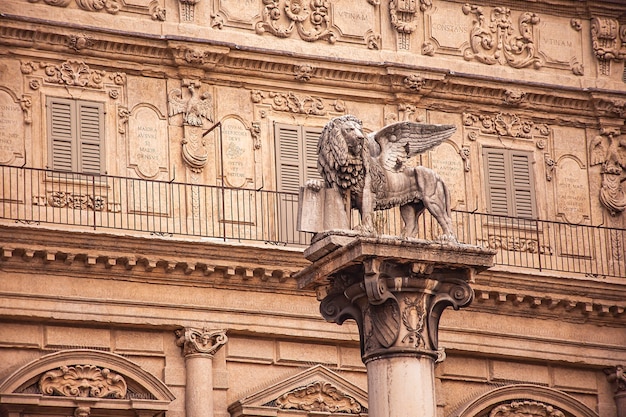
373	173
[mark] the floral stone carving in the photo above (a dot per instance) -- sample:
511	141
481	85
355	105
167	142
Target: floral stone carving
319	396
609	149
83	381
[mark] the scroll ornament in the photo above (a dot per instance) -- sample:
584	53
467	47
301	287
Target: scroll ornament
525	409
312	21
492	41
83	381
608	38
609	149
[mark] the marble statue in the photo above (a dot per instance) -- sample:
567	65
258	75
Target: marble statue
372	173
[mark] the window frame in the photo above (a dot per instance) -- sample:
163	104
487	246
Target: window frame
75	135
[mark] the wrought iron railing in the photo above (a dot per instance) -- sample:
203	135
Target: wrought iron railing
39	196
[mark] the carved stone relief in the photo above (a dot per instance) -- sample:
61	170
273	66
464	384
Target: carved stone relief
507	124
609	150
200	340
109	6
311	21
493	40
295	103
195	108
608	40
524	408
83	381
321	397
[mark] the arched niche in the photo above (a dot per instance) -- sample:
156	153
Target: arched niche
519	397
83	383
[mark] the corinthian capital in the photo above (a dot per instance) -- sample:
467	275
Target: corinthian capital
200	340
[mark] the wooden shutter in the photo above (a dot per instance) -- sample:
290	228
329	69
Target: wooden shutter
62	134
76	131
90	128
509	182
296	155
288	157
311	137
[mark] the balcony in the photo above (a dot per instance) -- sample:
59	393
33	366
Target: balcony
104	202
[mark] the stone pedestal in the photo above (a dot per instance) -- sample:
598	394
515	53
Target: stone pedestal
199	347
396	290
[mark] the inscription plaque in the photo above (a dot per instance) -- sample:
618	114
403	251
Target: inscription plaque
352	18
449	27
446	161
572	191
237	153
240	10
148	147
11	129
559	41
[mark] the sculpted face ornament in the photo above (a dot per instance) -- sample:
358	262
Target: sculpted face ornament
372	173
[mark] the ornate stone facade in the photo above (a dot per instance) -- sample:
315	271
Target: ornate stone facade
186	225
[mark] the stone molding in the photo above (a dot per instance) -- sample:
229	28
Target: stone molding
525	409
200	341
83	381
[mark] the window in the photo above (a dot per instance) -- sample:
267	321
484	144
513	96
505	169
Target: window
509	182
296	155
75	135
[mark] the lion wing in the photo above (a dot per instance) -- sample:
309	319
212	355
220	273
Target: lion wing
395	143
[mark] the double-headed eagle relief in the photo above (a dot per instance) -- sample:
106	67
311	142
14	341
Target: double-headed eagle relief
372	172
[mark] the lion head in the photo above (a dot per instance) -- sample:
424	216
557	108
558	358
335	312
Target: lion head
341	148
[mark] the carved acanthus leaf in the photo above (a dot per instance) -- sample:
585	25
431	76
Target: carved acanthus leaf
526	409
319	396
311	20
71	73
83	381
492	41
506	124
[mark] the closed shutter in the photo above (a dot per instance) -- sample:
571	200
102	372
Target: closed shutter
90	122
76	131
288	156
296	156
509	183
62	134
311	137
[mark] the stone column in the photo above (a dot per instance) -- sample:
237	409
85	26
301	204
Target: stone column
617	377
199	347
396	291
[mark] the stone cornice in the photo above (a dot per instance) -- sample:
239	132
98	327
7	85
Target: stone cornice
219	62
201	263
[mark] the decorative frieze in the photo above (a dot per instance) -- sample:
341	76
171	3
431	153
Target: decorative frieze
295	103
320	397
83	381
506	124
514	244
203	341
76	201
493	40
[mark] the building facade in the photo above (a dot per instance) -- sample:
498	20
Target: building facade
152	151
